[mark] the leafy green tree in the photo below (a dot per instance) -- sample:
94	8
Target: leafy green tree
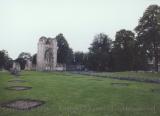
123	50
99	53
22	58
34	59
8	63
140	57
3	58
64	51
70	58
79	58
25	55
148	31
22	62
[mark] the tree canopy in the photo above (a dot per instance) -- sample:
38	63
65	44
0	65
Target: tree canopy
79	58
64	53
99	53
5	60
148	31
123	50
25	55
22	58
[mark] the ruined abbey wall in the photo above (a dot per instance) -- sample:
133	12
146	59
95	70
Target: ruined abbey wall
47	54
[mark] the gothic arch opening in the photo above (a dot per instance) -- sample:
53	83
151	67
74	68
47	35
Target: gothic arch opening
49	60
47	54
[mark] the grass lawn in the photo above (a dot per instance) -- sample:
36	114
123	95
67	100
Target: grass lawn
150	77
147	75
68	94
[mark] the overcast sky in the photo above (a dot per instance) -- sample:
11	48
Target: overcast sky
23	22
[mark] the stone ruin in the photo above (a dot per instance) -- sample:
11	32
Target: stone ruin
46	56
15	70
28	65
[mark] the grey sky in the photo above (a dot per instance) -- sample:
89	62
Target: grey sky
23	22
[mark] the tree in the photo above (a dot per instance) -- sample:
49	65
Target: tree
123	50
8	64
148	31
22	58
79	58
63	49
3	58
25	56
70	58
140	57
99	53
34	59
22	62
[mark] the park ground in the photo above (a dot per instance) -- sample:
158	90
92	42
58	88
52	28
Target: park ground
71	94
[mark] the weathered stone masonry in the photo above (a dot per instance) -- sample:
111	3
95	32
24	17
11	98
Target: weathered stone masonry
47	54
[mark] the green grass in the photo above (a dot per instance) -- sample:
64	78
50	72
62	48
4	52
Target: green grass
148	75
68	94
151	77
